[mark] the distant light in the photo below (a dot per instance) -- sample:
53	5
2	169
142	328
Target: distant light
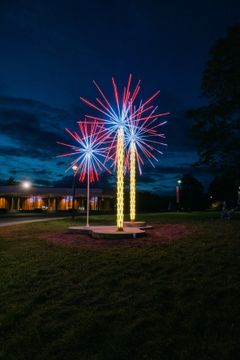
74	167
26	184
179	182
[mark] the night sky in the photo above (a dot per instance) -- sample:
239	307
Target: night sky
52	50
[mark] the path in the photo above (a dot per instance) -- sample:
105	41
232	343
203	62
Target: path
11	222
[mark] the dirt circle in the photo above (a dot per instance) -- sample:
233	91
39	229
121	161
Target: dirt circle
160	233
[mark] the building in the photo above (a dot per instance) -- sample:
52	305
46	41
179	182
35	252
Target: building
15	198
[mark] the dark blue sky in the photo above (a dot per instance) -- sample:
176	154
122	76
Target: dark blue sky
52	50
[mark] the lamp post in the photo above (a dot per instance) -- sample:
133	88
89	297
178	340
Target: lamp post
26	185
74	168
88	192
211	200
178	194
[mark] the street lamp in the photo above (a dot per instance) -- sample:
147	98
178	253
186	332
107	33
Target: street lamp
74	168
26	184
178	194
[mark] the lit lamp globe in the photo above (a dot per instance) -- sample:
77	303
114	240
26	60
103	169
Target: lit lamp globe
26	184
74	167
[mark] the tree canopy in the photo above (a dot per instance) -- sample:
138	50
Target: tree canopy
191	193
216	126
223	188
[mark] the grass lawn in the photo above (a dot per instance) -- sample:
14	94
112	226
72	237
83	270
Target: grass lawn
173	300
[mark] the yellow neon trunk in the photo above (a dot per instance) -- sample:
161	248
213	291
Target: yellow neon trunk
132	182
120	179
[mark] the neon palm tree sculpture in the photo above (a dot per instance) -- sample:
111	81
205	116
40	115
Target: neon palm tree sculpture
142	140
117	120
90	153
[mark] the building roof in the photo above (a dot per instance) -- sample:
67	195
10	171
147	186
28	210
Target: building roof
17	190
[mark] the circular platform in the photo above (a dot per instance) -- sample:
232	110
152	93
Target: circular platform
111	232
80	229
107	232
135	224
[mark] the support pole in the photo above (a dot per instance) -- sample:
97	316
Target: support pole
132	182
88	193
12	203
18	203
73	196
120	179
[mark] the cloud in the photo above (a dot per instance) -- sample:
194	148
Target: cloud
61	163
106	181
146	179
31	127
30	171
29	151
43	182
177	132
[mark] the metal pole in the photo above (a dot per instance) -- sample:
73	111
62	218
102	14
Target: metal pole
18	203
73	198
12	203
88	194
178	198
179	195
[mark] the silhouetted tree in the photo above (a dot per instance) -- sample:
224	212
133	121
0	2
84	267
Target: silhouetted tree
217	125
9	181
148	202
223	188
192	195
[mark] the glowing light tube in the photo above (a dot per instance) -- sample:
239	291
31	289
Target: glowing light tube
120	179
132	182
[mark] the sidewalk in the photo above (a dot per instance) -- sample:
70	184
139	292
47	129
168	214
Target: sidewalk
20	222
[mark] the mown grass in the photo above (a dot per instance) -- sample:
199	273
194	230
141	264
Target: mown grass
176	300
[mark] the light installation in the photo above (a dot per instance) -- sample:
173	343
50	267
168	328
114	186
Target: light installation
142	141
121	120
90	153
115	121
120	179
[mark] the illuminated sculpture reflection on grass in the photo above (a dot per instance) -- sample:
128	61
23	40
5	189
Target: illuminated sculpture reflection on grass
90	153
